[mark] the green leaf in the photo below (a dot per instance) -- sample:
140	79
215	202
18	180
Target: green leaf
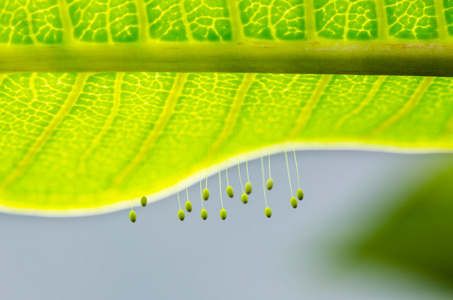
417	236
108	100
372	37
86	140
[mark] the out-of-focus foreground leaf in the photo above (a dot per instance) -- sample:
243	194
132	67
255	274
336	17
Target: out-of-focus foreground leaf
418	237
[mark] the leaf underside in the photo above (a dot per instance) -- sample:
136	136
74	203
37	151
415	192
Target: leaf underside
81	140
88	139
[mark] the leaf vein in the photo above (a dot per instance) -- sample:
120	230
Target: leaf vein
414	99
311	104
37	146
440	17
65	21
234	113
236	23
30	24
269	17
185	21
374	89
148	144
142	21
310	20
382	19
108	123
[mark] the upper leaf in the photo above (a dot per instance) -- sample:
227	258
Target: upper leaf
120	21
291	36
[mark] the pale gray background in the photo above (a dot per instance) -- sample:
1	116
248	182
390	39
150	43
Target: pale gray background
296	254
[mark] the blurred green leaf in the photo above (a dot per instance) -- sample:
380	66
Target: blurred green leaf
418	237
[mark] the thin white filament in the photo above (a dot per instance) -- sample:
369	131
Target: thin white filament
264	183
177	193
247	167
287	168
187	193
240	178
270	176
201	193
226	169
220	188
297	169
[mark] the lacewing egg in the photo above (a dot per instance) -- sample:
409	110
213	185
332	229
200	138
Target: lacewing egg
268	212
300	194
223	214
188	206
229	191
248	188
244	198
205	194
204	214
269	184
293	202
143	201
132	216
181	215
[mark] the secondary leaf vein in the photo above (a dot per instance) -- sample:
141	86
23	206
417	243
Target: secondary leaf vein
33	151
108	123
148	144
311	104
234	112
416	96
375	88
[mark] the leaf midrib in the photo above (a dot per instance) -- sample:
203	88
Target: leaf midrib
324	57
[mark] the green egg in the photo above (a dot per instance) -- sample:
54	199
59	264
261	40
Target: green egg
188	206
223	214
248	188
205	194
229	191
181	215
300	194
204	214
132	216
293	202
143	201
268	212
269	184
245	198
